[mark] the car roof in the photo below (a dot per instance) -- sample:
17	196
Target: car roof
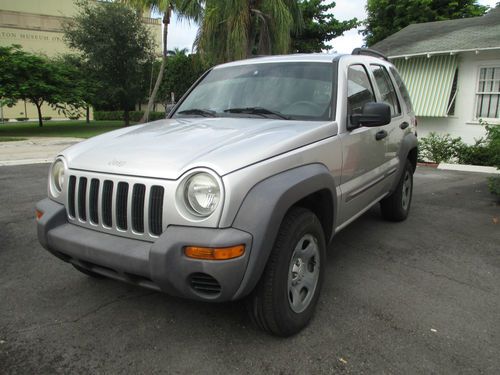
300	57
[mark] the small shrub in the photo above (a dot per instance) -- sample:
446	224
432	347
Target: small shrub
439	148
135	116
76	117
46	118
21	118
6	119
153	116
494	186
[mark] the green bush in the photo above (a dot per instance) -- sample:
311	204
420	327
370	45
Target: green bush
46	118
494	186
75	117
135	116
6	119
486	151
21	118
439	148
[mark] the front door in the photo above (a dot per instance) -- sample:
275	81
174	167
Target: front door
363	150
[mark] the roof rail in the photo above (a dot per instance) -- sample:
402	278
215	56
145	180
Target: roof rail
369	52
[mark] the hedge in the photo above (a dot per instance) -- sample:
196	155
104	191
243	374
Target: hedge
135	116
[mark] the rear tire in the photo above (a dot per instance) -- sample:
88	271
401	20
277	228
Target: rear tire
397	206
285	298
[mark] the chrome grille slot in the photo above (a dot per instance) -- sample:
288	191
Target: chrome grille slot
156	210
94	201
138	195
126	206
121	205
82	199
107	202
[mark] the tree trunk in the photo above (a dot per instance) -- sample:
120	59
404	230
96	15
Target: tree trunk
126	117
39	109
152	98
87	114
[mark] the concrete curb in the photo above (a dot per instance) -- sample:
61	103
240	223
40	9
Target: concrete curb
468	168
6	163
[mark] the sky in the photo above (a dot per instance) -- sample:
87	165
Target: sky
181	34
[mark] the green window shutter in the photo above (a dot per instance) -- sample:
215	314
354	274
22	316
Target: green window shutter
429	82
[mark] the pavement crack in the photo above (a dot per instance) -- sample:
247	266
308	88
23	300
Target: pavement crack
85	315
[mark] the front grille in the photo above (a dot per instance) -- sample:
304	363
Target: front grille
124	206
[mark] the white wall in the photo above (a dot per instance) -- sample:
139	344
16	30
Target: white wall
462	124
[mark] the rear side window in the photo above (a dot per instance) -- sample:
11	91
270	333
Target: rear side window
359	89
402	89
386	89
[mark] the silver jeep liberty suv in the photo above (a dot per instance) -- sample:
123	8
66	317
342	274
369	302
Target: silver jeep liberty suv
239	191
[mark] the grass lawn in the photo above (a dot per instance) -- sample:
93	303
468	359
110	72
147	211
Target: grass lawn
77	129
11	139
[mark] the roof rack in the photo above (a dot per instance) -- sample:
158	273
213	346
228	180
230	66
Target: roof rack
368	52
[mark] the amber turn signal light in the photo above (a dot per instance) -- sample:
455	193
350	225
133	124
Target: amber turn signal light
38	214
211	253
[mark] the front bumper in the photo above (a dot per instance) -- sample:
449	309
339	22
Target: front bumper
160	265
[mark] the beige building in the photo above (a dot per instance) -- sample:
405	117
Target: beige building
36	25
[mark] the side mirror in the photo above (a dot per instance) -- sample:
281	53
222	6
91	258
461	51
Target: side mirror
372	114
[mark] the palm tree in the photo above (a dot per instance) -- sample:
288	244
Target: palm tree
187	9
237	29
177	51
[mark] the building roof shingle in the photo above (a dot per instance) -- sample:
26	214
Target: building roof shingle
444	36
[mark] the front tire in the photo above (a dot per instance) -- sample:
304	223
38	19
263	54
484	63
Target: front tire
285	298
397	206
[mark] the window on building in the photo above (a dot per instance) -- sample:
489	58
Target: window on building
488	93
359	89
453	95
386	89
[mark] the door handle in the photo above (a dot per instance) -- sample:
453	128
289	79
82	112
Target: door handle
404	125
380	135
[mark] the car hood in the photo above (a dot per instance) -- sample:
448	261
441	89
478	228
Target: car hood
168	148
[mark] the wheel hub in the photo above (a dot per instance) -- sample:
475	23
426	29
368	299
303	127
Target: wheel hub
303	273
298	271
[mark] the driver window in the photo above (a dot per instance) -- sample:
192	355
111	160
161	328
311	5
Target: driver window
359	89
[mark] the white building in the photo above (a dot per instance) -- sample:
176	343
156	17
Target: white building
452	71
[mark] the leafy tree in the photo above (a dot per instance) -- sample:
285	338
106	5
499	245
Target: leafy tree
116	46
181	72
37	79
386	17
320	26
83	81
237	29
187	9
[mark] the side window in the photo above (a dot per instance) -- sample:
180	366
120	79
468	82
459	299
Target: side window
359	89
402	89
386	89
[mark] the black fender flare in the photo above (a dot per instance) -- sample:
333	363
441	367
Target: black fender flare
265	206
408	143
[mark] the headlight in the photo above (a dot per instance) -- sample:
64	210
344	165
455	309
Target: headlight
202	194
57	177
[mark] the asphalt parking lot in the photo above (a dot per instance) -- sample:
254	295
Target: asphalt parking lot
419	297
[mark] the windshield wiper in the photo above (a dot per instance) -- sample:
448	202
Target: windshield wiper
264	112
198	111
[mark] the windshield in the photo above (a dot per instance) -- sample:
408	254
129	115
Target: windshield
285	90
